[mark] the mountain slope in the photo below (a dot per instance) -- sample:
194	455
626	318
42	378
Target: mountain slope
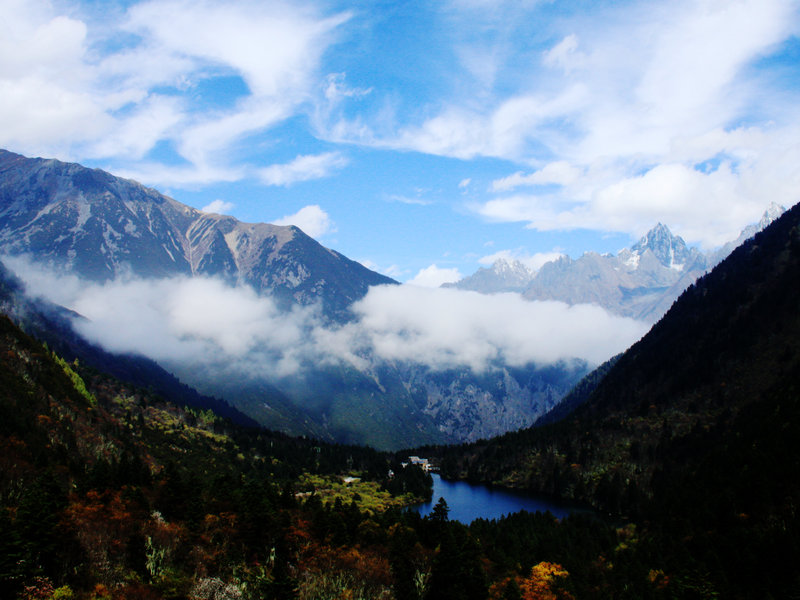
726	341
502	276
100	226
694	430
106	490
53	325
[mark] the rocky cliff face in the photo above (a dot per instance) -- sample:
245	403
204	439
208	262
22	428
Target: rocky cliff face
469	407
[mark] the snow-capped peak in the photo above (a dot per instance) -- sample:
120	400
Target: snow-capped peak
773	212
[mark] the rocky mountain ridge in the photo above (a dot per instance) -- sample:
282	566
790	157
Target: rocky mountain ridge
640	282
502	276
99	227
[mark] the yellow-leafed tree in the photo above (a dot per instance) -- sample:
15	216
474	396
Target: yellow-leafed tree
542	584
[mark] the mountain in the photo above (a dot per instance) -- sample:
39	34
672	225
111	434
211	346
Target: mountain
693	432
773	212
502	276
640	282
98	226
52	325
103	228
633	283
466	407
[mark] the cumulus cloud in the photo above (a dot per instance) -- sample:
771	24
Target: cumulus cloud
213	325
314	221
433	277
220	207
707	203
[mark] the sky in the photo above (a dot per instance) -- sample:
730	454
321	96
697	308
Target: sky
423	139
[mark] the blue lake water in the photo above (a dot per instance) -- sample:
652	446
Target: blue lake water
468	502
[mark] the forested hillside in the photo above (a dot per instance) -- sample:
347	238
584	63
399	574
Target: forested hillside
109	492
694	431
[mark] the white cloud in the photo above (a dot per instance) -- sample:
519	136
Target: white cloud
116	87
447	327
565	54
506	130
434	276
211	325
303	168
314	221
708	206
591	101
156	173
220	207
659	85
559	173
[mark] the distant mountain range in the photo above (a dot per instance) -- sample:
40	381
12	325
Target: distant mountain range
641	282
100	227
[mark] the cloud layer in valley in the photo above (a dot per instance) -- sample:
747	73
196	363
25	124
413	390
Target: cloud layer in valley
207	322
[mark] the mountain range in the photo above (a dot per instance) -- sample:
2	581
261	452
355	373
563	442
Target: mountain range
640	282
104	229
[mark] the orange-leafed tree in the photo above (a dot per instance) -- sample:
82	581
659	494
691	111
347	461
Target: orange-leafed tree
544	583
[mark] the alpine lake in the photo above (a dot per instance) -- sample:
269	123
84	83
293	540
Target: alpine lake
468	501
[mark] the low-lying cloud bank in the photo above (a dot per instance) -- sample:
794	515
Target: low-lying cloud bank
207	322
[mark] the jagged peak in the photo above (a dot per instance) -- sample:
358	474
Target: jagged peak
504	265
659	232
774	210
670	249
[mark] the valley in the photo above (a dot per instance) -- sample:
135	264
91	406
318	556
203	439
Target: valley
122	481
294	335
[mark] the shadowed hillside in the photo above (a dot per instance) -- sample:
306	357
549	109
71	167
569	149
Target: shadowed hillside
694	430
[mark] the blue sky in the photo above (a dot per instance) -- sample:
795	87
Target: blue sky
423	138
